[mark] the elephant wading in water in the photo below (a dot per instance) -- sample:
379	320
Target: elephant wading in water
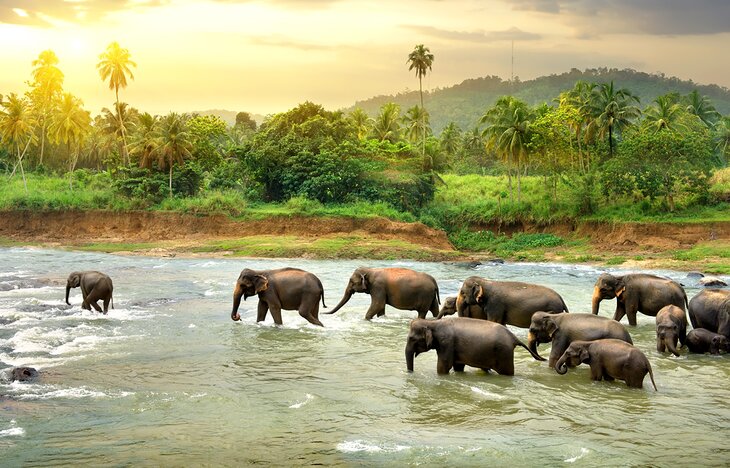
463	342
637	292
563	329
703	341
449	308
609	359
507	302
94	286
710	309
671	327
286	288
397	287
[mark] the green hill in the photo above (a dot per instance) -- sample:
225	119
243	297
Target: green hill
466	102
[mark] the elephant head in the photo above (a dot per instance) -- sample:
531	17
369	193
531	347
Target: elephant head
448	308
249	283
471	293
668	335
542	329
607	287
420	340
74	281
718	343
359	282
576	354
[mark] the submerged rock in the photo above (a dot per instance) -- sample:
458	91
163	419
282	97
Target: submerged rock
695	274
712	282
21	374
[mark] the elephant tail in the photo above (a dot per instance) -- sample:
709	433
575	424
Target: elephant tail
651	376
112	298
535	355
565	307
438	295
321	292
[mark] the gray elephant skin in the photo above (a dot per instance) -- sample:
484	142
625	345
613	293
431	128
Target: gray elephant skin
449	308
95	286
637	292
563	329
507	302
710	309
704	341
401	288
463	342
609	359
285	288
671	328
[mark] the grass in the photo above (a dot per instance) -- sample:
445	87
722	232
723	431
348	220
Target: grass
117	246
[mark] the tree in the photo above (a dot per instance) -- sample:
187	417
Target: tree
702	108
114	65
387	123
245	121
450	141
173	142
119	124
16	129
722	137
46	88
143	140
70	125
414	121
576	102
665	114
421	60
612	111
362	122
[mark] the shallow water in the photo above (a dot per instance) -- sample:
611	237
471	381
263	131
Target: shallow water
166	378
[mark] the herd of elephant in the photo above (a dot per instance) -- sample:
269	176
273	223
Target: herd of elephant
478	337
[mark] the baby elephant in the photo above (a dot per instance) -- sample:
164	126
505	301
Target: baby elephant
609	359
94	286
671	326
702	341
463	342
449	308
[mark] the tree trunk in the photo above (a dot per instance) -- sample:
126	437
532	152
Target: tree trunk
43	140
423	121
610	141
170	180
125	156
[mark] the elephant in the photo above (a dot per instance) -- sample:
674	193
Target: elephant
401	288
702	341
563	329
637	292
507	302
285	288
94	286
710	309
461	341
449	308
609	359
671	326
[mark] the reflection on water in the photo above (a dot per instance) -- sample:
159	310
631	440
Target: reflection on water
167	378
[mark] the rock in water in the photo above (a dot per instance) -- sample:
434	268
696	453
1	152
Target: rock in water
712	282
23	374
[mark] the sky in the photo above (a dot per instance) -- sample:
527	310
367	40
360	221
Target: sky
267	56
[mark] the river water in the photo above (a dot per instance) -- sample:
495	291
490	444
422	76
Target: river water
166	378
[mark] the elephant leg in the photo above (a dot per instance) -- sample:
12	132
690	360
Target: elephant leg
106	304
632	307
620	311
422	313
505	367
434	308
377	307
261	311
311	313
660	344
608	378
458	367
276	313
443	366
92	299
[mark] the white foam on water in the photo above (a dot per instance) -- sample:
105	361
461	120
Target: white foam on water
192	325
352	446
25	391
14	430
307	399
583	452
487	394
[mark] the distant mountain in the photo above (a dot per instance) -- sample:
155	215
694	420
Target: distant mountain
229	116
466	102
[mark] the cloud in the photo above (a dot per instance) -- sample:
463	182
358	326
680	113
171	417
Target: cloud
655	17
46	12
512	34
287	43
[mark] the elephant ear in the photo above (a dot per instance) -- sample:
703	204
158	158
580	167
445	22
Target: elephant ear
619	292
261	283
428	336
551	327
585	357
74	280
479	295
363	282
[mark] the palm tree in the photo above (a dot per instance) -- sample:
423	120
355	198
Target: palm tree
579	99
173	142
70	125
114	65
450	140
722	137
47	86
143	139
414	121
387	123
665	114
508	133
17	128
421	60
119	124
612	111
702	108
362	122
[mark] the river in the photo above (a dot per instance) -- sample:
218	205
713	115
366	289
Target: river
166	378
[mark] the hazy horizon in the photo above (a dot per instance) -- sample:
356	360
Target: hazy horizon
268	56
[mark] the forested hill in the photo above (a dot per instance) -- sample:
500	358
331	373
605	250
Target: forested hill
466	102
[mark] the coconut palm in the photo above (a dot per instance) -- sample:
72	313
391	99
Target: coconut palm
421	60
70	125
46	88
665	114
118	124
612	111
417	123
362	122
115	65
17	126
579	98
722	137
143	141
702	108
387	123
450	140
173	142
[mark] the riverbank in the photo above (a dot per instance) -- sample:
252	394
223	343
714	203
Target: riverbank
681	246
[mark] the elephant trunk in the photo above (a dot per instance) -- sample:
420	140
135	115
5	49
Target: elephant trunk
410	354
68	289
345	298
237	293
596	300
532	344
561	367
672	345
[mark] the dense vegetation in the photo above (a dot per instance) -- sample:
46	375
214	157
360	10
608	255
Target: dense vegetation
591	151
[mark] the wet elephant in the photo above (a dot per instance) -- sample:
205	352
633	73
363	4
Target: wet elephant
703	341
710	309
637	292
609	359
95	286
563	329
401	288
507	302
449	308
671	328
286	288
463	342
